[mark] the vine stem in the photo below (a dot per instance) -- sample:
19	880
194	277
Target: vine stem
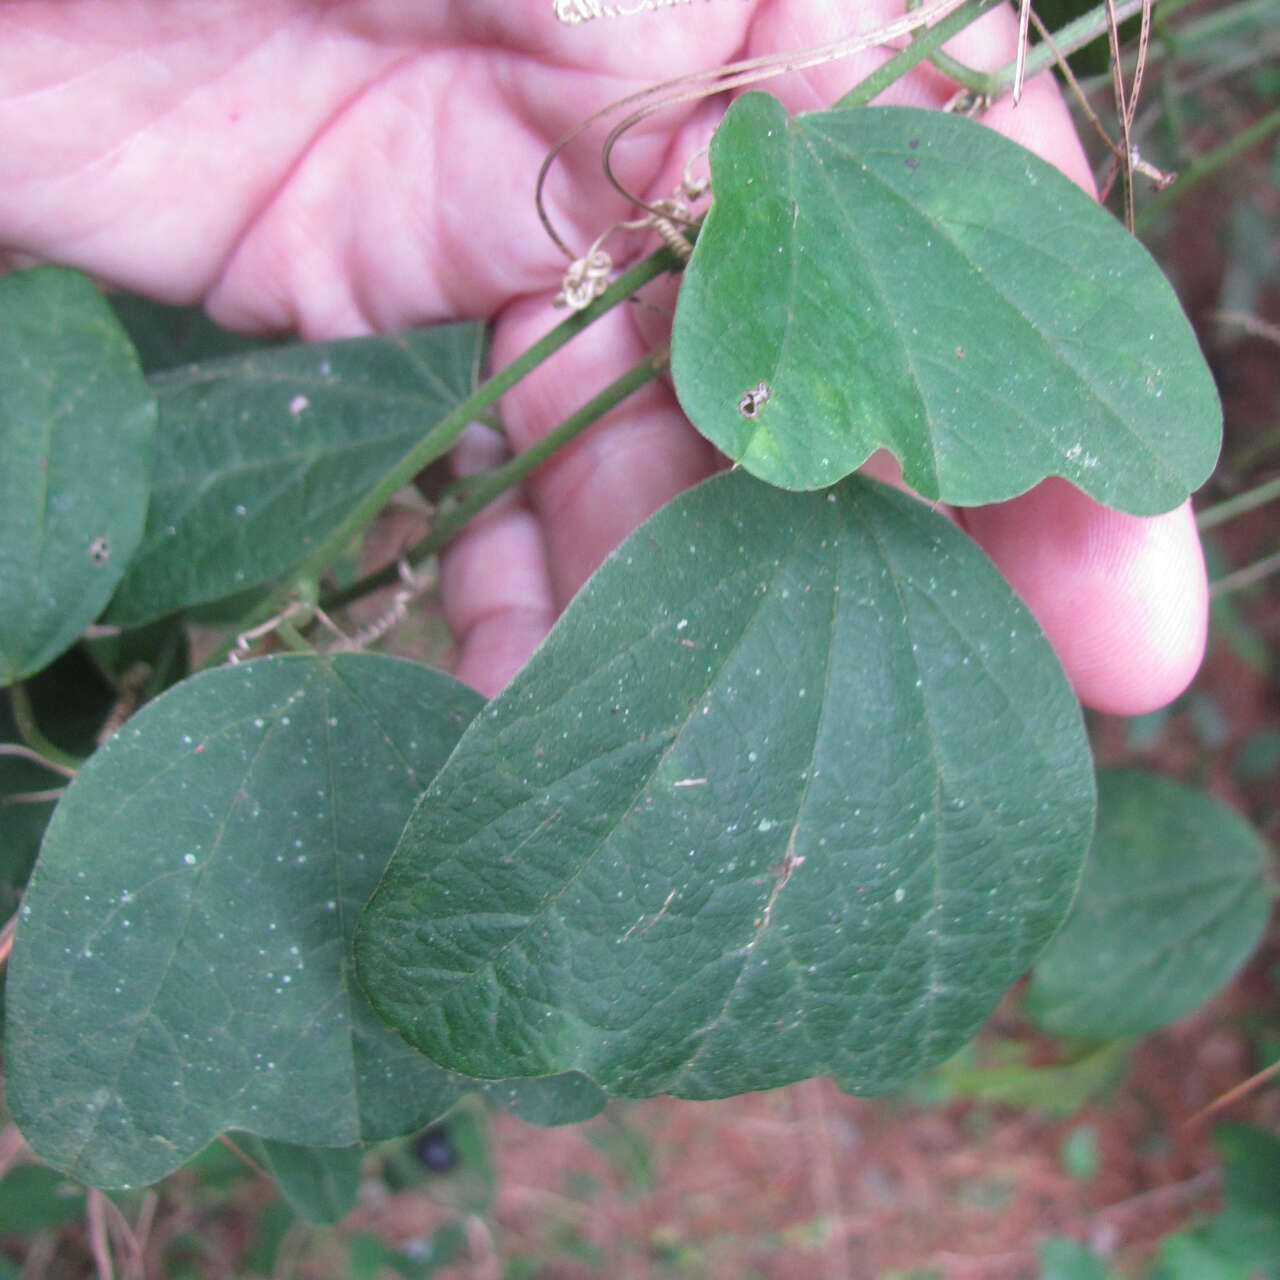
1066	40
1246	577
922	47
29	731
466	497
445	434
20	752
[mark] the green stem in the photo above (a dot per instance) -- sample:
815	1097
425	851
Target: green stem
471	494
1168	41
1228	509
24	717
924	46
1206	166
293	638
1256	450
1245	577
445	434
1066	40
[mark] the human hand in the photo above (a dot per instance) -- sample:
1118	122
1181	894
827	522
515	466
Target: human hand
344	166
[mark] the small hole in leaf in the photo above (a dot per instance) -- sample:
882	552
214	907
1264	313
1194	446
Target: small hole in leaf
754	400
435	1149
100	549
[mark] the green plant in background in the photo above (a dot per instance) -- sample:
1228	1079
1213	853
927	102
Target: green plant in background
795	786
1242	1242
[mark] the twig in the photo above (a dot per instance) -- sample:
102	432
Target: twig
33	797
99	1245
1251	499
1252	325
248	1161
1206	166
1244	1087
1174	1193
823	1183
146	1221
1245	577
6	939
125	1241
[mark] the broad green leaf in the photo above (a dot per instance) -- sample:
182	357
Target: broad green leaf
181	963
795	787
261	455
1172	902
34	1198
166	336
77	427
320	1183
906	279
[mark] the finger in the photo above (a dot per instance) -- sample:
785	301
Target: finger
497	595
594	492
1122	599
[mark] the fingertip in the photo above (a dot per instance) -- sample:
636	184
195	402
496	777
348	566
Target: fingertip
1123	599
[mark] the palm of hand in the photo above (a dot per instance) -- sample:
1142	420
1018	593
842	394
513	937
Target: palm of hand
339	168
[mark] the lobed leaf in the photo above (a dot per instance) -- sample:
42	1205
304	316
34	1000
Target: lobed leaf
320	1183
795	787
261	455
1172	902
911	280
77	427
182	966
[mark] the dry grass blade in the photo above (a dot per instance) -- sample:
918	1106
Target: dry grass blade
1020	71
1126	102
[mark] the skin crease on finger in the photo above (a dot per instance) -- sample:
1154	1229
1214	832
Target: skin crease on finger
344	166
